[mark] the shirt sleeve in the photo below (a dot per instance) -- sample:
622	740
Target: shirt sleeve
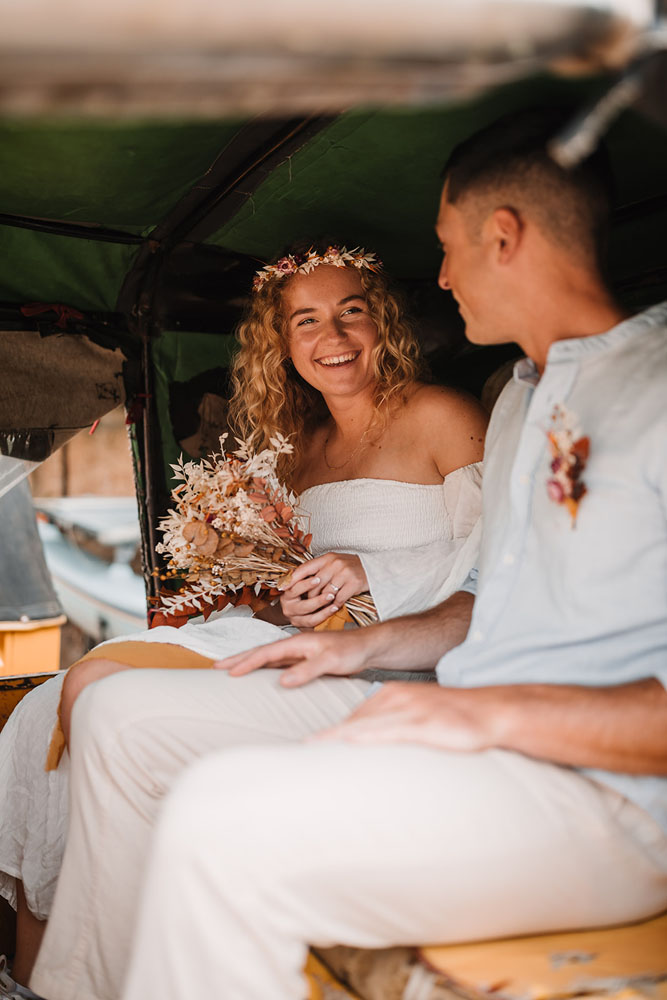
469	585
404	581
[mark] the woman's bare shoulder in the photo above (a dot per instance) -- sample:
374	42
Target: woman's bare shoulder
441	402
451	421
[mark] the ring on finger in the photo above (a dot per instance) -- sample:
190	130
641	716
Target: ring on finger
334	588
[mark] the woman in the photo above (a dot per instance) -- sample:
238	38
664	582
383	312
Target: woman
379	459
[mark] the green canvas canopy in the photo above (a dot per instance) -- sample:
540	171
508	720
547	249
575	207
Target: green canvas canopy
128	240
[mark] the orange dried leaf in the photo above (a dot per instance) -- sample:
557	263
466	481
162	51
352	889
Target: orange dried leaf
258	603
572	506
306	541
164	618
335	622
269	514
244	549
207	540
189	530
200	533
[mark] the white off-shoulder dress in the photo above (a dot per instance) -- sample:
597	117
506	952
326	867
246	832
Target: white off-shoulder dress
417	544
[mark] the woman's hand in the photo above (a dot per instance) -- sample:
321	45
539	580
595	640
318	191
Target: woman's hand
320	587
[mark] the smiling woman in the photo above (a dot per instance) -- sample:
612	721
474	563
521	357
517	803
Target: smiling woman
338	355
326	357
339	373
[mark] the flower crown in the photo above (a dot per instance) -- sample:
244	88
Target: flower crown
304	263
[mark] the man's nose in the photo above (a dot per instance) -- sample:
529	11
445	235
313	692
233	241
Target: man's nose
443	280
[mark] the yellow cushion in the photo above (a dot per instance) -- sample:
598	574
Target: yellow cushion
629	961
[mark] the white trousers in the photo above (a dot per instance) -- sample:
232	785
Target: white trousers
265	847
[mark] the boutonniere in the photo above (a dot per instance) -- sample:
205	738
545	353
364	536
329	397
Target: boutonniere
569	453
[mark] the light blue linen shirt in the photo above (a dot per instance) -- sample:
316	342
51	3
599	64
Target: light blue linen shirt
586	604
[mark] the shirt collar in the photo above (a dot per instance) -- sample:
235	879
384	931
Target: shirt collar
577	348
525	372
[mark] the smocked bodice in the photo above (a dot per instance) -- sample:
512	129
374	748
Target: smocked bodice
371	515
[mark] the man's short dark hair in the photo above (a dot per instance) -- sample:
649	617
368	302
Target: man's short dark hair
510	158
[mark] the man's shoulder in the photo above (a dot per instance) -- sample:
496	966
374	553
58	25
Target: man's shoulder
646	339
637	368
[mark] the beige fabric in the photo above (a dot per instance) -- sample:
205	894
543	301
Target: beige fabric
79	381
266	843
364	515
425	571
34	803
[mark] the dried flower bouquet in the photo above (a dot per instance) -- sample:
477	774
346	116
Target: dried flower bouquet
234	536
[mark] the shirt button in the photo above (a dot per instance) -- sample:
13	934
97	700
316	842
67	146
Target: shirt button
508	558
477	635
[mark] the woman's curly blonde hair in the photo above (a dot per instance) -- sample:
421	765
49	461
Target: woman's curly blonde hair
268	394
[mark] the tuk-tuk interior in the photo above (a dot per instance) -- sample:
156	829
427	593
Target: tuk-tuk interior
128	251
129	238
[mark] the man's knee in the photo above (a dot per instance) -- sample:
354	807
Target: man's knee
227	803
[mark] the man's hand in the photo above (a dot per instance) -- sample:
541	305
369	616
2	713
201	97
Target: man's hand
414	642
618	728
305	657
319	587
426	714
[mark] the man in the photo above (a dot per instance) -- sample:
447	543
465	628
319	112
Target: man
522	794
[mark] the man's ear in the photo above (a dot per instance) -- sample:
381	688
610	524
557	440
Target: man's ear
507	233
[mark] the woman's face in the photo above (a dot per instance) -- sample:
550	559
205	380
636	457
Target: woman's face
331	334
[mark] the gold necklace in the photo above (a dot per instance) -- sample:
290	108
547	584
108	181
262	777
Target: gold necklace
334	468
